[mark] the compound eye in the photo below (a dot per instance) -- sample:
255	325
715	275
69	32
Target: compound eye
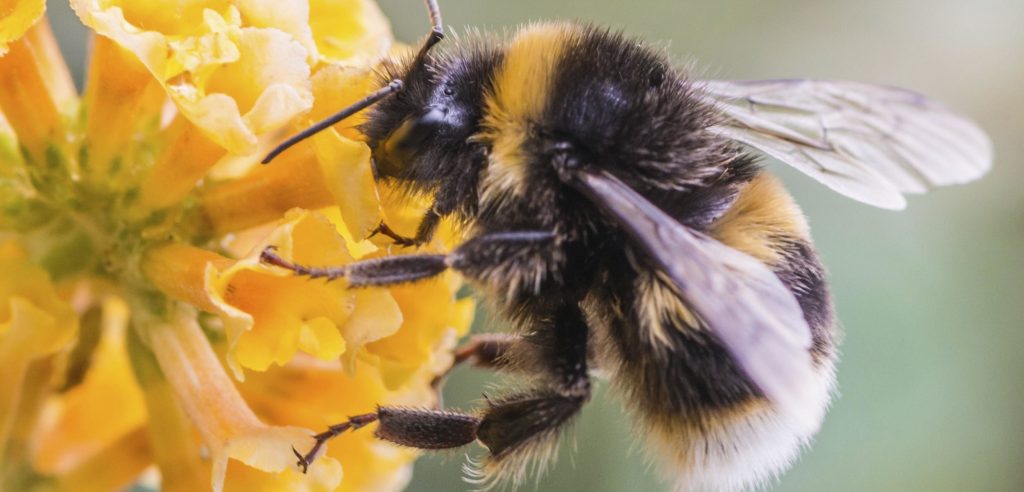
406	141
416	130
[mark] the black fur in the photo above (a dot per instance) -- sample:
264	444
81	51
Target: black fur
525	420
623	106
449	165
804	275
617	105
554	353
692	375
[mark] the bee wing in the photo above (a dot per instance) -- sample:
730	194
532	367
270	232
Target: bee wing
869	142
746	306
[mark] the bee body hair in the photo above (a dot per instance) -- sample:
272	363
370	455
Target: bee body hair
704	424
570	91
616	220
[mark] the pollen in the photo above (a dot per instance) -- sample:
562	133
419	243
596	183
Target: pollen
141	337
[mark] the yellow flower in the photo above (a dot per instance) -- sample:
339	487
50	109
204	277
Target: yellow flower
34	325
140	335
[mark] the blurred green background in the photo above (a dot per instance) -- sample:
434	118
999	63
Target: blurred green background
932	375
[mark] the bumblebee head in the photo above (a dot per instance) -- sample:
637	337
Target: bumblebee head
423	132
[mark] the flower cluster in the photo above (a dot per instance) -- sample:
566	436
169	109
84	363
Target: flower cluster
140	336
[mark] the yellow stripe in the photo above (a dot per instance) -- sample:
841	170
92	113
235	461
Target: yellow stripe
763	216
520	93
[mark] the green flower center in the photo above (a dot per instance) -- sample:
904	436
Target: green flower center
79	223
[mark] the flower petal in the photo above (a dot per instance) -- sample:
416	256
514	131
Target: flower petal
265	451
34	322
269	83
234	83
290	16
18	16
267	311
345	165
106	406
228	426
269	315
187	156
116	467
349	32
9	155
377	315
267	192
338	86
171	18
176	446
329	394
430	312
35	89
122	101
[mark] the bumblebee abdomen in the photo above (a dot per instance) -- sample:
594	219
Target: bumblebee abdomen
766	223
705	422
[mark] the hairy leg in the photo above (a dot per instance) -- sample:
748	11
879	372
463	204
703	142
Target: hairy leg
486	351
412	427
480	258
517	428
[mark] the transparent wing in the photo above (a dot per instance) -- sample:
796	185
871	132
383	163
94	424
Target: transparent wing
755	317
869	142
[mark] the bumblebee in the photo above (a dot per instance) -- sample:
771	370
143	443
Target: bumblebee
618	220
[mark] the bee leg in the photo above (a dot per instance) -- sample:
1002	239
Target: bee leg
485	350
445	203
480	258
508	424
515	428
390	270
412	427
426	429
428	226
525	425
395	237
424	232
353	423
